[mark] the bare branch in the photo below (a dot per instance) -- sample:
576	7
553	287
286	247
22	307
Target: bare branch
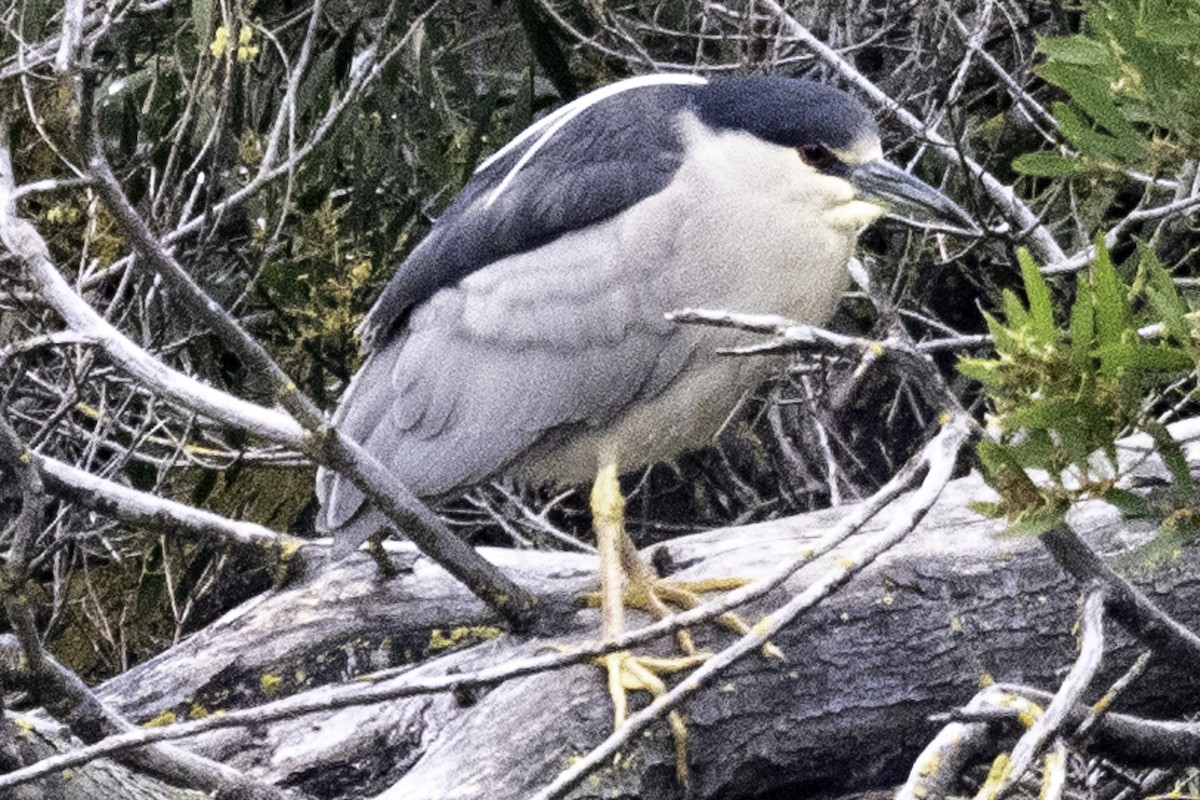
139	508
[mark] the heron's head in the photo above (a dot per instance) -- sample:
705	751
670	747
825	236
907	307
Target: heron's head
837	146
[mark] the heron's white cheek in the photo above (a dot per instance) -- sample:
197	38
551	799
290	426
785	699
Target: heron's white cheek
854	215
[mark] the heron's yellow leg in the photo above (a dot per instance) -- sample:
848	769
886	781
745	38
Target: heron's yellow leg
627	672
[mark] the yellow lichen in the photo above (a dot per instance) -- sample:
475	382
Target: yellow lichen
461	635
161	721
24	725
247	50
270	683
219	42
998	773
1029	715
930	765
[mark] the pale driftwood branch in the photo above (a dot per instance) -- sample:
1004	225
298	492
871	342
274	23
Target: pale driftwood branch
357	695
20	536
1101	707
936	772
33	739
1054	772
1133	740
25	665
72	703
158	513
903	640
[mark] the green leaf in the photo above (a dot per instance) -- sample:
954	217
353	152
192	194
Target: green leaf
1112	308
1034	450
1141	357
1036	521
984	370
1015	314
1004	473
1175	461
1131	504
986	509
1089	90
1094	144
1049	165
1168	307
1041	309
1083	328
1002	339
1074	50
1052	413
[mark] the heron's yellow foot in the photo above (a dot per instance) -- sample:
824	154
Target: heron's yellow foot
664	596
629	673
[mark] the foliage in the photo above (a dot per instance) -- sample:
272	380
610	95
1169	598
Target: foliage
1131	78
1061	395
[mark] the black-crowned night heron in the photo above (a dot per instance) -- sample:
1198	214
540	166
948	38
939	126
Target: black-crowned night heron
526	334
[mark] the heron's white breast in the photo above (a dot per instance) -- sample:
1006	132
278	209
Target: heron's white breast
744	226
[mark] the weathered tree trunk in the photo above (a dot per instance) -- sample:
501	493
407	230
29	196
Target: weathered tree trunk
913	635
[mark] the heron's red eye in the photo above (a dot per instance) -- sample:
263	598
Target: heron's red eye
817	157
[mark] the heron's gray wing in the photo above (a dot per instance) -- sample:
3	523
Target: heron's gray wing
569	172
569	334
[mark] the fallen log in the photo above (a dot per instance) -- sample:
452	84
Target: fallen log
954	606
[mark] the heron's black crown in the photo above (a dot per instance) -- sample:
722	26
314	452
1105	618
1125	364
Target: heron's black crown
790	112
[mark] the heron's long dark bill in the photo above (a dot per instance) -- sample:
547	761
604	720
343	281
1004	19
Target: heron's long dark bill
888	184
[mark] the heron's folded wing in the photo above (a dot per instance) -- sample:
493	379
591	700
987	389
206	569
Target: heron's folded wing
569	334
594	165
